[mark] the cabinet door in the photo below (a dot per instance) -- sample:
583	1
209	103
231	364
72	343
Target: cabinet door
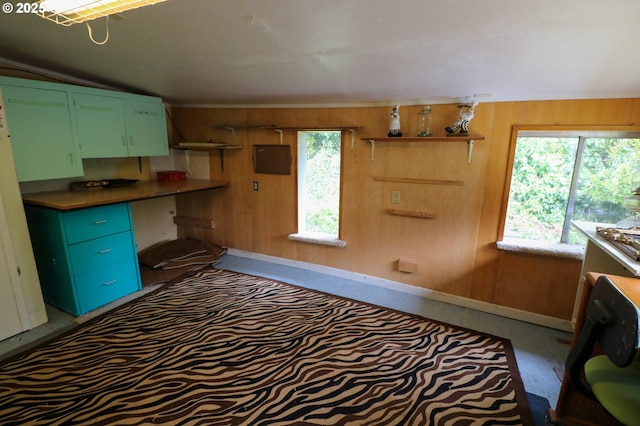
146	128
50	249
100	122
39	122
12	310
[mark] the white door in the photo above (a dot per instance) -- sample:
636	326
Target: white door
13	317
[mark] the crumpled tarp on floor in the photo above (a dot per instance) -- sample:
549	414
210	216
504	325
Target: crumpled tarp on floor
176	259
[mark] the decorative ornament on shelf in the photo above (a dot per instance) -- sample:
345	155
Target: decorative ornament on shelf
465	115
394	123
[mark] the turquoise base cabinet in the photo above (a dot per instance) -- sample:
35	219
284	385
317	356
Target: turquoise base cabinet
86	258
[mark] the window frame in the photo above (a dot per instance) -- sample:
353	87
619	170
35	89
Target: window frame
559	131
310	236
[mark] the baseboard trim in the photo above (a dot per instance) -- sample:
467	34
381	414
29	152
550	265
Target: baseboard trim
491	308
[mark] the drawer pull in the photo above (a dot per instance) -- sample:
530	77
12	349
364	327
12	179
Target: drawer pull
113	281
104	251
100	222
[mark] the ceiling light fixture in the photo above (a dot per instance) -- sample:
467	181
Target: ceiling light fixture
69	12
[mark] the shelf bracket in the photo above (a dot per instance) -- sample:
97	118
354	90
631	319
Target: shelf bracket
470	151
229	128
279	131
373	147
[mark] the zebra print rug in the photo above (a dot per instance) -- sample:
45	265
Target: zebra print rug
224	348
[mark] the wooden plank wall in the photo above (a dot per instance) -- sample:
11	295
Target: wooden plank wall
455	253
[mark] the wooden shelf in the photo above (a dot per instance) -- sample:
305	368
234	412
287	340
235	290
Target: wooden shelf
456	138
408	213
204	147
352	129
232	129
214	146
193	222
281	129
418	181
274	127
469	139
319	128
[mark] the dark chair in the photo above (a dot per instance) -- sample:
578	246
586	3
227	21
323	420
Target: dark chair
612	379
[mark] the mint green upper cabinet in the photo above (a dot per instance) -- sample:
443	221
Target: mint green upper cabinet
54	126
101	128
146	128
125	126
39	122
121	125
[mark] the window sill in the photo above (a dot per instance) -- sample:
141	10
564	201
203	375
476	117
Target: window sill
567	251
322	239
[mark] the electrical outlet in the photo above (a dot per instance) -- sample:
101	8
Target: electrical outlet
395	197
255	185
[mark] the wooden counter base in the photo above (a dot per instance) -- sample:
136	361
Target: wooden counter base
573	408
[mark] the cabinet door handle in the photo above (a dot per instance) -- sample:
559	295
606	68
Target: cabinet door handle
124	141
100	222
131	140
113	281
71	158
104	251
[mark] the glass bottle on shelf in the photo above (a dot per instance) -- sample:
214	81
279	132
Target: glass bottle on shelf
425	119
632	204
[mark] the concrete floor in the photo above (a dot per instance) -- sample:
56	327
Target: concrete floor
540	351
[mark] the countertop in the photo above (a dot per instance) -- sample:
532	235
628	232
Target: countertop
589	229
72	199
630	287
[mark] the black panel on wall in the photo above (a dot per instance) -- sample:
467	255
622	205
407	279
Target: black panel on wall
272	159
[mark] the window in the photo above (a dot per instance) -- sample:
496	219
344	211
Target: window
319	173
560	176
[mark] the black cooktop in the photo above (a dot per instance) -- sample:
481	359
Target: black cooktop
103	183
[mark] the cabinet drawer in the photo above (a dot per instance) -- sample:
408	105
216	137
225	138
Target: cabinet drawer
100	286
101	251
95	222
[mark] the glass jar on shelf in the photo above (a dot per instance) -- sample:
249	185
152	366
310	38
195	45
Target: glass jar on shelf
631	203
425	121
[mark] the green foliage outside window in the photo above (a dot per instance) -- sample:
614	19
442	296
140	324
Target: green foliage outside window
323	182
541	183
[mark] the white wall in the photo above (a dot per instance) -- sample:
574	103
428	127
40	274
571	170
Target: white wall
153	218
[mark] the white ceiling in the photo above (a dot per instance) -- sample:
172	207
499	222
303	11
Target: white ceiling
330	52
